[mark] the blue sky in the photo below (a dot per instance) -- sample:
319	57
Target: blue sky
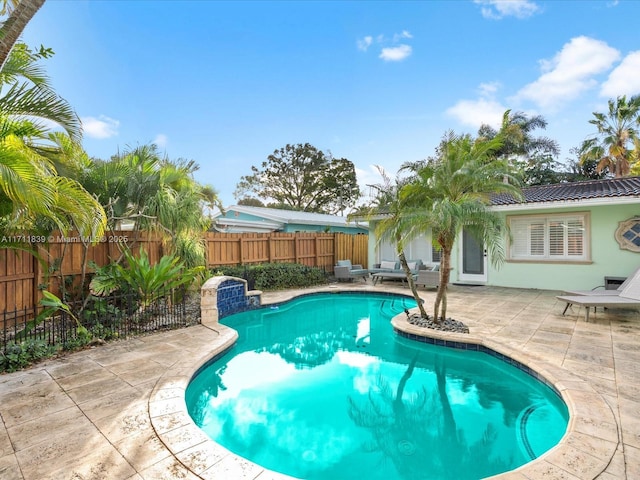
376	82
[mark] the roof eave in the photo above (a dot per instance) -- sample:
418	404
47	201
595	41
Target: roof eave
589	202
248	223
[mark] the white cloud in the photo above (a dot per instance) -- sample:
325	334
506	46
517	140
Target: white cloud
624	79
395	54
485	110
474	113
101	127
497	9
365	43
488	89
390	50
399	36
570	72
161	140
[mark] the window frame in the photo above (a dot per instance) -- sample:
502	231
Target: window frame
627	234
547	220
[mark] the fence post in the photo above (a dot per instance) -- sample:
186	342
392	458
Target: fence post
38	273
271	247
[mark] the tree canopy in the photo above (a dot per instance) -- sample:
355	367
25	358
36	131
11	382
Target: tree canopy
533	157
155	193
395	225
614	146
19	12
451	192
301	177
33	195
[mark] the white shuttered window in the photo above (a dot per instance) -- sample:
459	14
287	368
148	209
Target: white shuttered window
549	238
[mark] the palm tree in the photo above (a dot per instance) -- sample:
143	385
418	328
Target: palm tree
156	194
32	192
634	157
394	225
20	13
532	156
516	132
613	145
452	192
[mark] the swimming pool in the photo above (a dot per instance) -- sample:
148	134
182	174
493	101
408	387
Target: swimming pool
321	388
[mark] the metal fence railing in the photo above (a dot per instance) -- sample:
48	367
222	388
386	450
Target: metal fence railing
116	316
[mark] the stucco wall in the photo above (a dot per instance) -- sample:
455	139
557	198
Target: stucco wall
607	257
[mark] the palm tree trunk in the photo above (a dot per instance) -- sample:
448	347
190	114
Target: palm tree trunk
412	284
14	26
398	406
449	436
440	303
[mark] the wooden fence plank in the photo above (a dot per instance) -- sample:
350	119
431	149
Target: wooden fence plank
22	275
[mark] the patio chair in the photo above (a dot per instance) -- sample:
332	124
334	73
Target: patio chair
628	297
344	270
597	291
428	278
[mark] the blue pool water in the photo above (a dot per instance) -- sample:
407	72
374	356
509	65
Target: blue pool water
322	388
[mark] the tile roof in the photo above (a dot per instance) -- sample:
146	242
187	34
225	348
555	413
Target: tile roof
575	191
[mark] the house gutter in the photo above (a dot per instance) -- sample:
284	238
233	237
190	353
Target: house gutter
588	202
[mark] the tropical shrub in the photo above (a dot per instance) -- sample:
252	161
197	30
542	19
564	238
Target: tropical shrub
21	355
149	282
276	276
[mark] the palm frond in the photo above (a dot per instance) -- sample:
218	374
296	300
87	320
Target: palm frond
27	101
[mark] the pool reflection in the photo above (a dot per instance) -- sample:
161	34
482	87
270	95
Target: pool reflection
322	388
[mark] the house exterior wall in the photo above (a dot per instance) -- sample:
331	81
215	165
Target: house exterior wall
417	249
607	258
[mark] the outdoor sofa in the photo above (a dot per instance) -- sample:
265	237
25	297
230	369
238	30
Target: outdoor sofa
425	275
393	266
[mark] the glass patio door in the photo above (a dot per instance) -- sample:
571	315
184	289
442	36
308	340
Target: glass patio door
472	259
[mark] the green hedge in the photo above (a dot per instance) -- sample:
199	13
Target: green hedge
276	276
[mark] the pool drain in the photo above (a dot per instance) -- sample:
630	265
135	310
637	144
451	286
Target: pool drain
406	447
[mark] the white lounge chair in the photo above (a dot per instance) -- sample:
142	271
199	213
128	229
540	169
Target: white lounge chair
627	297
603	292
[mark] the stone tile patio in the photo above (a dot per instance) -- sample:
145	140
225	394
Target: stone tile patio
117	411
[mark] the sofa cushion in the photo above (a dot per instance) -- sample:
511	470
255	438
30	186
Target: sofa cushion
386	264
414	265
344	263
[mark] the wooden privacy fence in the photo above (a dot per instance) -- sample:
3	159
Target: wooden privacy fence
308	248
61	258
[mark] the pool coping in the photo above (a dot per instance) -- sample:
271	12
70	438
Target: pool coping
585	450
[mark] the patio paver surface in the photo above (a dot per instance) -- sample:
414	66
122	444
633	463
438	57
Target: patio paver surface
117	411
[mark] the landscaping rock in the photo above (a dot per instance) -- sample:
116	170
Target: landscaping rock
446	325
